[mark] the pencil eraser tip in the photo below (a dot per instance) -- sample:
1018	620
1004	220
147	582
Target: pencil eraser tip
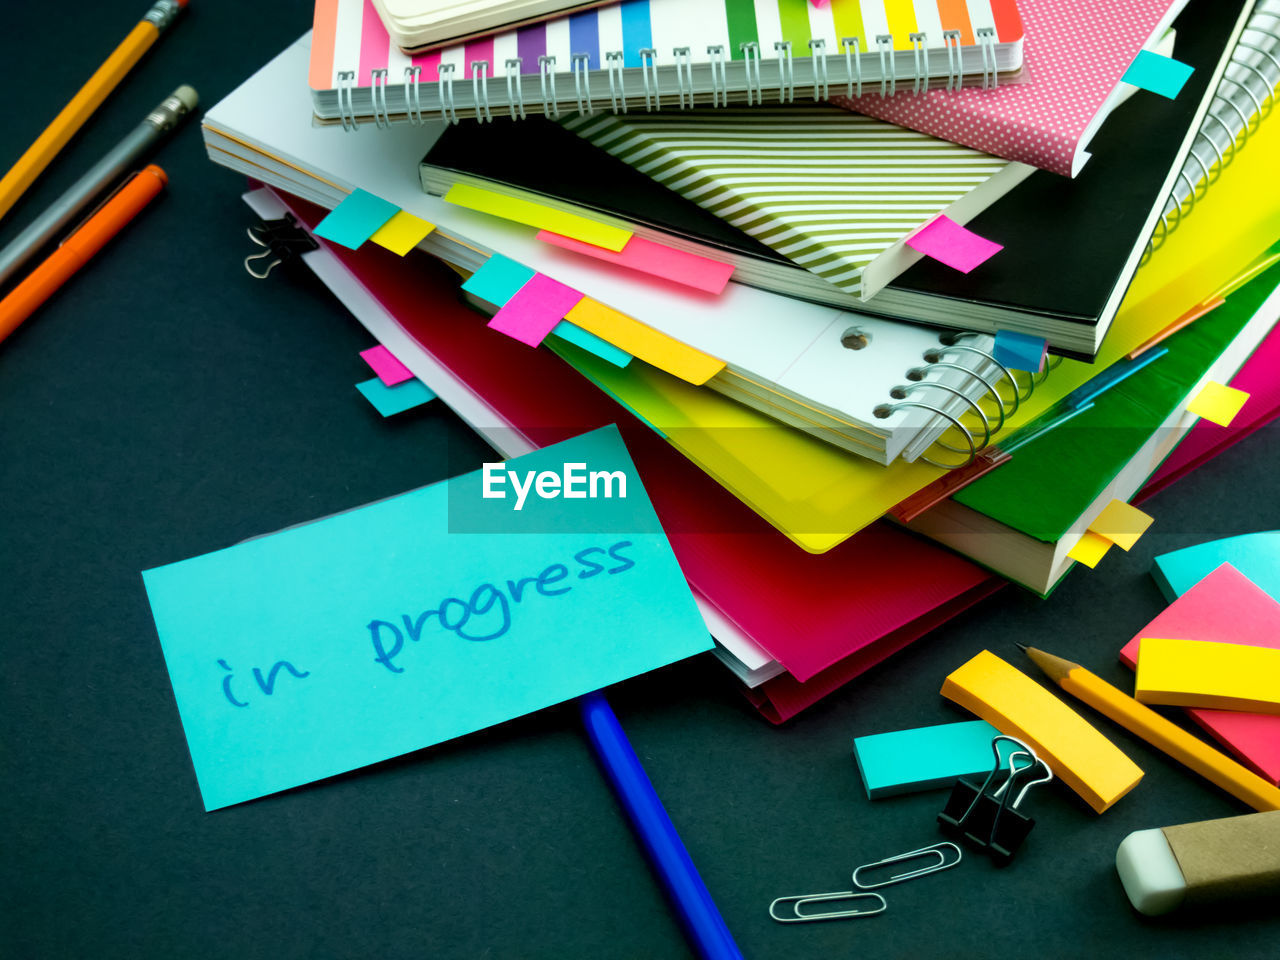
187	96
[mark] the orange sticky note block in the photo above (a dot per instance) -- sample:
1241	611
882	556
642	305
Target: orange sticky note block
1121	524
1205	673
658	349
402	233
1218	404
1091	548
1016	705
538	215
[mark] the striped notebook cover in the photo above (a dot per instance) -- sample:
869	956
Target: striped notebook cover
349	37
833	193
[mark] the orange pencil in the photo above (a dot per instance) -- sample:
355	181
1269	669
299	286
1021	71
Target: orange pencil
73	116
80	247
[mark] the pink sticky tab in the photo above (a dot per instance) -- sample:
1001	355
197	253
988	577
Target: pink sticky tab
536	307
389	370
948	242
819	4
656	259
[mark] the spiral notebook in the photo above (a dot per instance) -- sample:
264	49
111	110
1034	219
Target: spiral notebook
661	54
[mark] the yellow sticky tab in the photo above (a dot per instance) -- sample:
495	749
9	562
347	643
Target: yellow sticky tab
1120	523
402	233
1204	673
1218	404
1091	548
1016	705
538	215
658	349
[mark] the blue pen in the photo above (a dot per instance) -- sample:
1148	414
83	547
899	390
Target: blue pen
702	921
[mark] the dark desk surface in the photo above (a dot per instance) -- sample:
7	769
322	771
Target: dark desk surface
164	404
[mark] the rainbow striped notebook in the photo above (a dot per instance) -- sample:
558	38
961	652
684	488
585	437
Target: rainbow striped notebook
661	54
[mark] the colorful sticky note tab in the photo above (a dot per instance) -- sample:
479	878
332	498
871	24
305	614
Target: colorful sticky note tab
664	352
379	631
1208	675
1218	403
498	279
538	215
535	309
355	219
1159	74
1016	705
1021	351
947	242
402	232
908	761
1090	549
591	343
389	401
655	259
1121	523
389	370
1256	555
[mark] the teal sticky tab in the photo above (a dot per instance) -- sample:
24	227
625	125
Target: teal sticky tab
1020	351
498	280
1162	75
925	758
591	343
392	400
1256	555
356	219
383	629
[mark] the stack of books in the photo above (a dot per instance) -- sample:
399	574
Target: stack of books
810	260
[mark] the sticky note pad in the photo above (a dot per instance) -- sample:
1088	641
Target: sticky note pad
355	219
1227	607
1120	523
538	215
535	309
389	370
591	343
926	758
1256	555
1016	705
1218	404
947	242
1202	673
1020	351
498	279
664	352
402	232
389	401
1090	549
1162	75
385	629
655	259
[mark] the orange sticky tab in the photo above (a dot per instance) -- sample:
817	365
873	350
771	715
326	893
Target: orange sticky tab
1218	404
1120	523
1090	549
626	333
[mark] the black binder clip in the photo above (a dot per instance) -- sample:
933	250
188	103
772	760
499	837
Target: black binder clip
988	819
282	240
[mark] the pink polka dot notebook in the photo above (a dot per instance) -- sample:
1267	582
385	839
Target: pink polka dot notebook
1075	52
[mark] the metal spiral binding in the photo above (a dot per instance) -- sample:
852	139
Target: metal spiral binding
987	40
617	90
684	74
649	71
719	78
852	64
546	71
920	51
786	72
751	57
919	373
888	70
955	64
1252	99
346	108
448	112
818	57
378	91
889	409
515	95
480	90
580	63
413	94
903	392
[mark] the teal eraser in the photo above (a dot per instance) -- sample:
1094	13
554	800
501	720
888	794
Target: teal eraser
925	758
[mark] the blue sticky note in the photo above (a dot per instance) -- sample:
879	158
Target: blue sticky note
925	758
392	400
356	219
387	628
498	280
1256	555
591	343
1020	351
1162	75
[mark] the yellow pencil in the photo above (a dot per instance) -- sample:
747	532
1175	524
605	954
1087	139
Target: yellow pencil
73	116
1213	765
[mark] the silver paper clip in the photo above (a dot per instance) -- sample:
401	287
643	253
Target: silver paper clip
795	903
947	855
